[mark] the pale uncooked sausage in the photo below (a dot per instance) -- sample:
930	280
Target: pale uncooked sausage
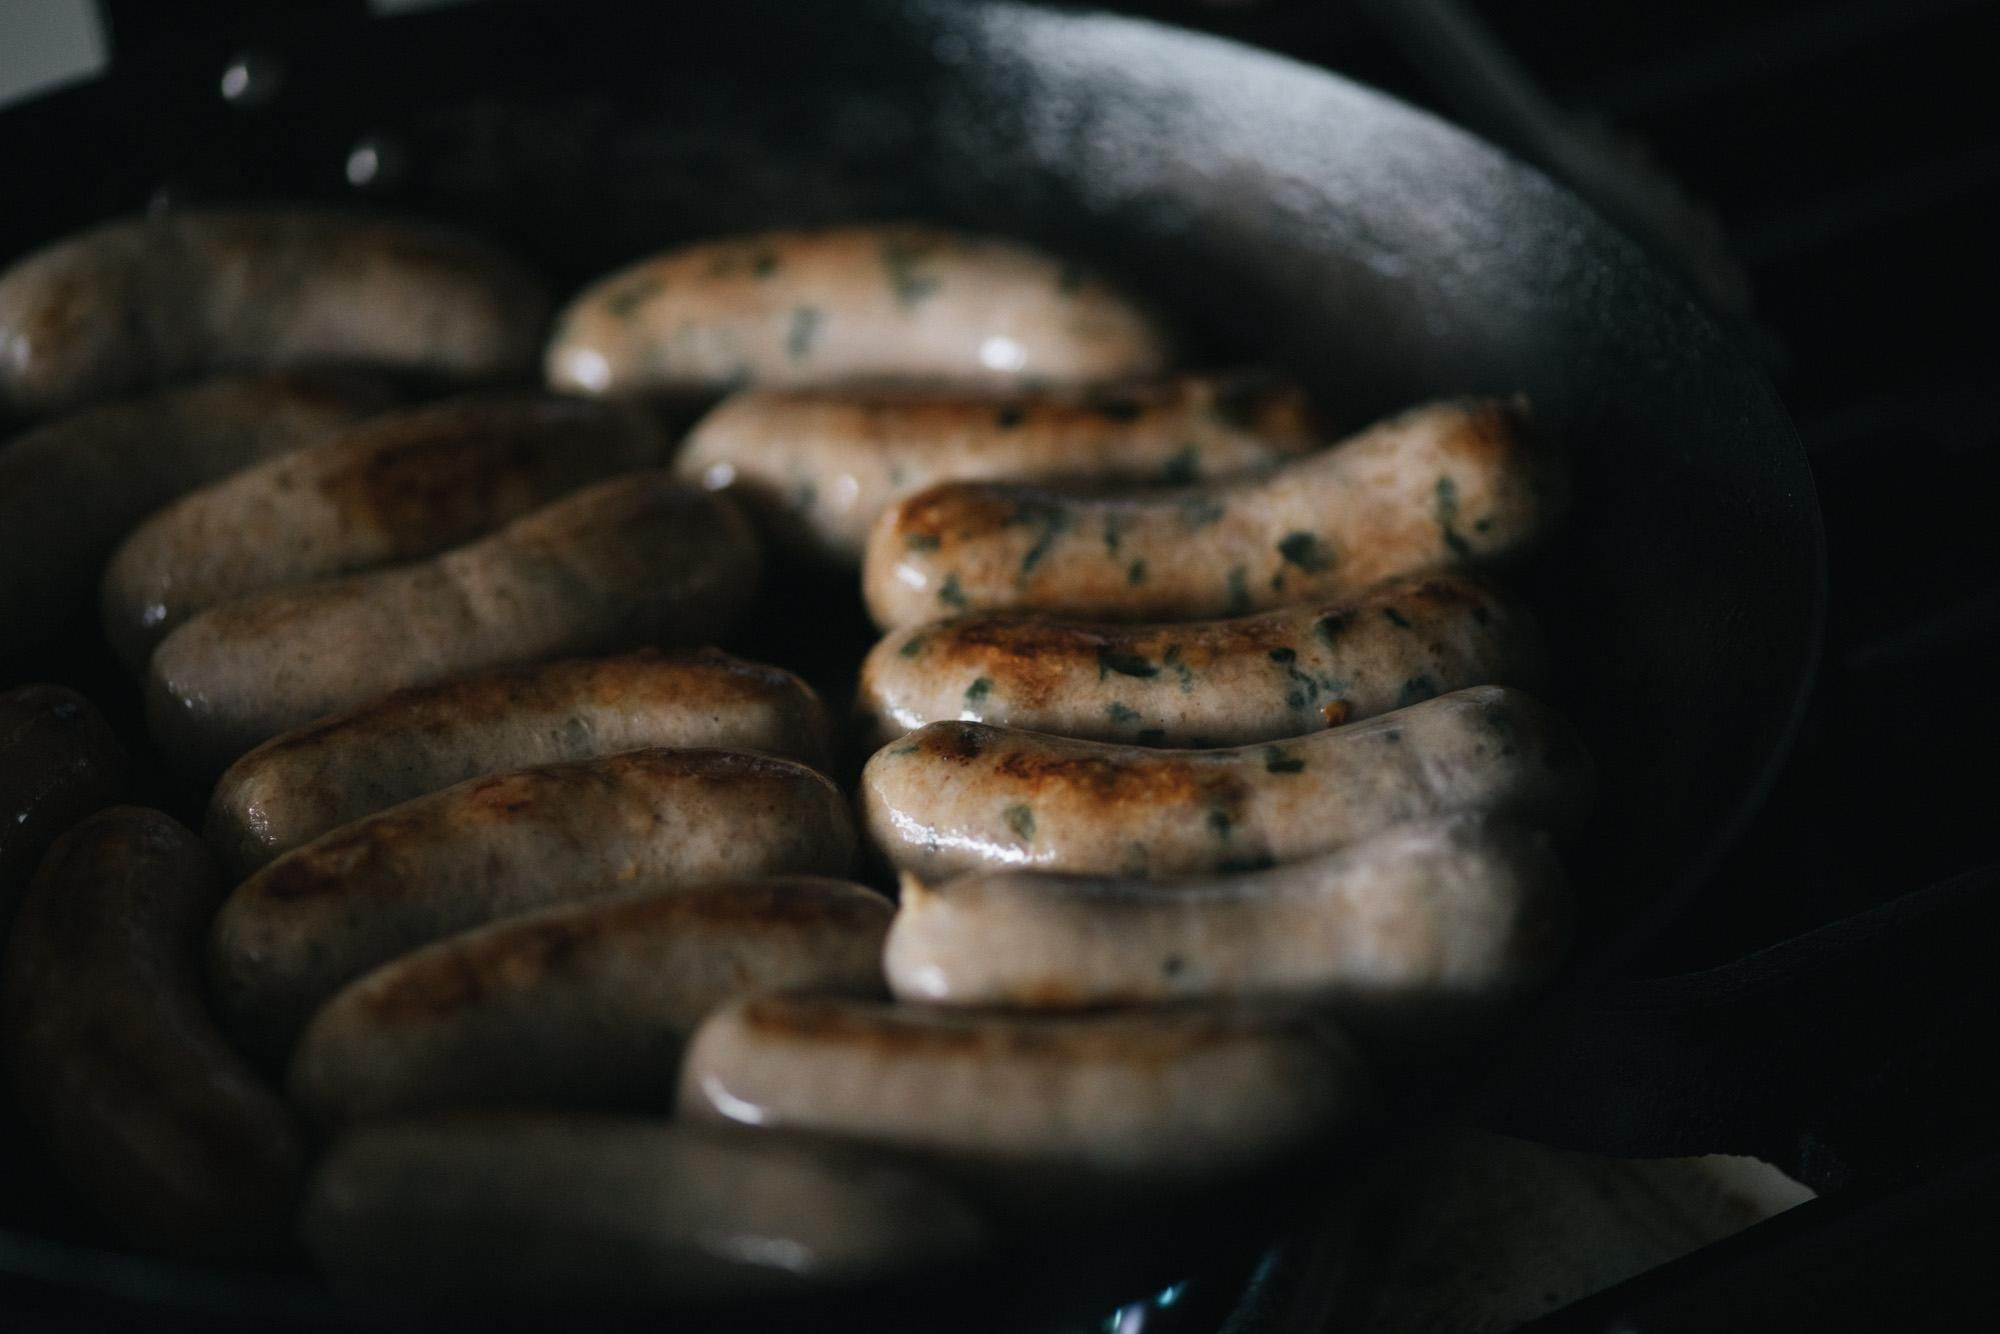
837	305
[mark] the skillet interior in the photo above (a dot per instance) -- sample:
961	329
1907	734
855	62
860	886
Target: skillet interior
1284	214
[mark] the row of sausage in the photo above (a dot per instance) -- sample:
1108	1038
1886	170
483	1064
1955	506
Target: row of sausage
1197	746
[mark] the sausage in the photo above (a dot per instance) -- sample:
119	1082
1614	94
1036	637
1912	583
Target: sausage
1277	674
302	784
1156	1096
526	1207
583	1006
820	465
955	797
1445	485
1452	915
837	305
115	1062
58	762
399	487
146	301
71	489
633	561
321	915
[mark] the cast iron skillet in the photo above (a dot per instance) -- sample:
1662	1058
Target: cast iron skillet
1283	213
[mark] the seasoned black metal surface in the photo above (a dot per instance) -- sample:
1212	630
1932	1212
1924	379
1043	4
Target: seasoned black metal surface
1283	213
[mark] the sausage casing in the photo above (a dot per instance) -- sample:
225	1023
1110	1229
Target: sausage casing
630	562
840	304
115	1060
58	762
1445	485
1277	674
516	1206
1158	1094
818	466
399	487
956	797
71	489
321	915
148	300
1452	915
302	784
582	1006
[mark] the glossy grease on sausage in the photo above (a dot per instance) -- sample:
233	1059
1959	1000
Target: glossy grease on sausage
635	561
322	915
1445	485
584	1006
304	783
396	488
70	490
1444	917
836	305
1277	674
818	466
957	797
161	1127
1158	1095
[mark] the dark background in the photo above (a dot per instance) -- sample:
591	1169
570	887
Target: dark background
1849	153
1839	159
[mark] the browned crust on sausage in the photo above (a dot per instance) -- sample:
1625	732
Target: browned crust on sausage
638	559
706	676
327	867
70	490
1444	486
514	956
458	467
1043	652
501	846
395	488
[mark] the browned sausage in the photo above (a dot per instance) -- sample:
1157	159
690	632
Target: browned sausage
71	489
582	1006
297	786
1448	484
820	465
955	797
396	488
321	915
116	1063
638	560
1266	677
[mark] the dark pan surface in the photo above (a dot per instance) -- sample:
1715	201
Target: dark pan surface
1283	213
